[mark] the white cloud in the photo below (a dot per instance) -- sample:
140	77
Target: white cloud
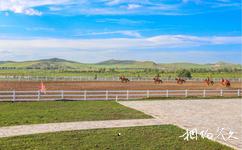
111	7
27	6
222	5
113	2
226	40
90	56
123	21
131	33
194	1
39	29
32	12
195	40
133	6
95	7
164	41
166	48
54	8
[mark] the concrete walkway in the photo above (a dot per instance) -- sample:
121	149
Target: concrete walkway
208	115
69	126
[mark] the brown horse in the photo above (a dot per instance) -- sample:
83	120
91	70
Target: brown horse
225	82
208	81
157	80
180	81
123	79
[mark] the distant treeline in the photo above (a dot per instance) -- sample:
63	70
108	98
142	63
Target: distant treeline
112	70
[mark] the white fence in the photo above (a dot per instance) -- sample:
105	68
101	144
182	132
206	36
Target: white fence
111	94
90	78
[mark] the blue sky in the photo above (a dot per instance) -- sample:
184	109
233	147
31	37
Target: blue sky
165	31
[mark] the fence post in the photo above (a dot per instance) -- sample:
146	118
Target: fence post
106	94
85	95
167	93
204	93
38	95
116	98
221	92
238	92
14	96
186	93
148	94
127	95
62	94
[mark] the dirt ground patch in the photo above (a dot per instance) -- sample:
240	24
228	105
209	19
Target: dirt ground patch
110	85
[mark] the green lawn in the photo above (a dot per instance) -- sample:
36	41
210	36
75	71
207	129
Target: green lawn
142	138
49	112
128	73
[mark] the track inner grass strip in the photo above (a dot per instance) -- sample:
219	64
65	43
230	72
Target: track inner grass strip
22	113
149	137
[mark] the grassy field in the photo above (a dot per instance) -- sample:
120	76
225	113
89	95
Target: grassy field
114	68
131	73
51	112
140	138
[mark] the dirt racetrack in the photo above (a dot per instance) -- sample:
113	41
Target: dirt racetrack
110	85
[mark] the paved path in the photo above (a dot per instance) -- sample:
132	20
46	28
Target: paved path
69	126
199	114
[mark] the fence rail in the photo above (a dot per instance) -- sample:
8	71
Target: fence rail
111	94
89	78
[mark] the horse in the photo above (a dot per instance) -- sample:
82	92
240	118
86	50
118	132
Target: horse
157	80
208	81
123	79
225	82
180	81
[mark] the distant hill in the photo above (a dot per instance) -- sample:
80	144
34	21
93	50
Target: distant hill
225	64
115	62
53	63
56	63
127	64
3	62
54	60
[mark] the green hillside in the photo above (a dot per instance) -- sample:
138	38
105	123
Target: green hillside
110	68
116	62
126	64
53	63
62	64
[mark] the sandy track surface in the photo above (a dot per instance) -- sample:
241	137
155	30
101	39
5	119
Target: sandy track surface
110	85
198	114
